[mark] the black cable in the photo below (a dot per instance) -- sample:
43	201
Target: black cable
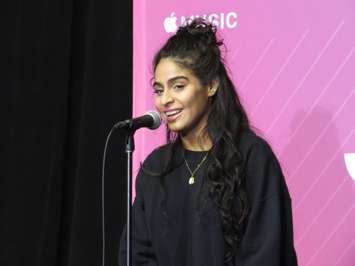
103	196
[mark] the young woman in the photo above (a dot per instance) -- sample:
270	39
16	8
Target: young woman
215	194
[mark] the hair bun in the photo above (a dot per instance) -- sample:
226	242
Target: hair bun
200	29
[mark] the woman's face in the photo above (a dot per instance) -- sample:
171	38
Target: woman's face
180	97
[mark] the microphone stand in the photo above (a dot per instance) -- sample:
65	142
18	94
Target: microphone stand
130	129
129	151
131	125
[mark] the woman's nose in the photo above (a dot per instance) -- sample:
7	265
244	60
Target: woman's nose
166	98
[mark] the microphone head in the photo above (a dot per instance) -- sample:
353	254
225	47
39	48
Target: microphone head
156	119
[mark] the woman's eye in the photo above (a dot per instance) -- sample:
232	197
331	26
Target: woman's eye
158	92
179	87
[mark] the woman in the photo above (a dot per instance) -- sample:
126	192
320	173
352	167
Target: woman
215	194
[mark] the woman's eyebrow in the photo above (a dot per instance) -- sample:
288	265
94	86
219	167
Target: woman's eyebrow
170	81
157	84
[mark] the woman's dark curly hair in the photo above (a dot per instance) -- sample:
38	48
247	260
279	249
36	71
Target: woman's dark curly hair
195	46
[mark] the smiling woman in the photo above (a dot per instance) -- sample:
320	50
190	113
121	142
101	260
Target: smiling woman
215	194
182	101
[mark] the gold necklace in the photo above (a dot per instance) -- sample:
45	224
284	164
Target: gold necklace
192	173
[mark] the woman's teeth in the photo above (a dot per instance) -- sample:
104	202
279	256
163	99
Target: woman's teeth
171	113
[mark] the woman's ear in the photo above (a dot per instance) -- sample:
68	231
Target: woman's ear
212	89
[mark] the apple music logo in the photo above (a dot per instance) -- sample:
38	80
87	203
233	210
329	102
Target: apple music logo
221	20
170	23
350	164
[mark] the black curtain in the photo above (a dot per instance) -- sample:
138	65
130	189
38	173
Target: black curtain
65	79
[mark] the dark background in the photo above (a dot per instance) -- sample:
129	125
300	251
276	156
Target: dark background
65	79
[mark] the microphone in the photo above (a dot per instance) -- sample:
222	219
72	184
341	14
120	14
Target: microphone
150	120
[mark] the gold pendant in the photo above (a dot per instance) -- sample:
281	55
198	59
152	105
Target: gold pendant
191	180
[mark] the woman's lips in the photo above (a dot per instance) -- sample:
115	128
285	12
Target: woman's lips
172	115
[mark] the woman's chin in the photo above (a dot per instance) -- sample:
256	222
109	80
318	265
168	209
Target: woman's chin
174	129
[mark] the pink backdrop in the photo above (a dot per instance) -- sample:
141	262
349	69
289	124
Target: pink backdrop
294	65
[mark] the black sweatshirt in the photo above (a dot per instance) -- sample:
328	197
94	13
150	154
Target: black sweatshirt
177	224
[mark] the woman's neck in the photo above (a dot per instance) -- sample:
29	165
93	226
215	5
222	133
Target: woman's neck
197	138
196	143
